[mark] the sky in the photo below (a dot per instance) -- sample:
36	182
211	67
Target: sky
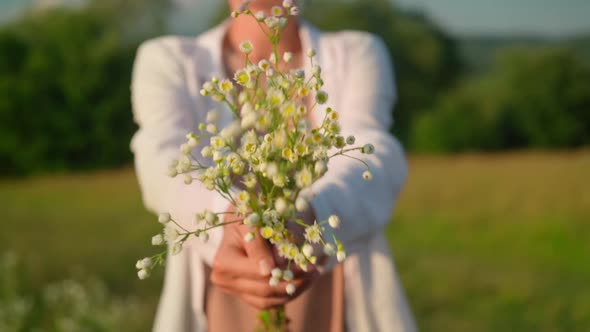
553	18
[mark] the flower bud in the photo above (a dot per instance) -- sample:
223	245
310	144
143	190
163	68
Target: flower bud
307	250
334	221
329	249
157	240
143	274
288	275
164	218
249	237
340	256
290	289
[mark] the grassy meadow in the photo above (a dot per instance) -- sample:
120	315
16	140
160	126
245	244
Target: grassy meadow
482	242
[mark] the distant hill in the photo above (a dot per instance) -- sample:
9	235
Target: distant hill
479	52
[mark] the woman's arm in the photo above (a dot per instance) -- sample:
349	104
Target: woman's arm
368	97
165	112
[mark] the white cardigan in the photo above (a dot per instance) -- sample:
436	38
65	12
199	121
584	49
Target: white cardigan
167	77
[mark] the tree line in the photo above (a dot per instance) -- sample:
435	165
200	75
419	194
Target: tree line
65	76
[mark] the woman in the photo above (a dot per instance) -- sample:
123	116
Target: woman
220	285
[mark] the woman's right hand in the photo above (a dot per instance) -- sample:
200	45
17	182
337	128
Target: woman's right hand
243	269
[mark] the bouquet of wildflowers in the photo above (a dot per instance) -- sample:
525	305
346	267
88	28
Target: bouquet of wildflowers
266	161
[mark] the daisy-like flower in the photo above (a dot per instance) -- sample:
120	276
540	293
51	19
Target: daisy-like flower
367	175
340	256
226	86
294	11
313	234
276	11
246	47
266	232
303	178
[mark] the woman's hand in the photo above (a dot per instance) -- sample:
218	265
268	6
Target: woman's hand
243	269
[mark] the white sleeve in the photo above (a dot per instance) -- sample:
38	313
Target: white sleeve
364	207
165	112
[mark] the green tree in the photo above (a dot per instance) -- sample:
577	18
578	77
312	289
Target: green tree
64	86
534	98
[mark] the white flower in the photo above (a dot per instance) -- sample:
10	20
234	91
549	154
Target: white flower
329	249
301	204
287	275
260	16
281	205
246	47
273	282
164	218
303	178
207	152
340	256
276	273
294	11
143	274
226	86
321	97
290	289
249	237
147	263
211	218
271	22
368	149
320	167
252	219
287	57
367	175
276	11
287	3
157	240
334	221
307	250
211	128
266	232
313	234
170	234
264	64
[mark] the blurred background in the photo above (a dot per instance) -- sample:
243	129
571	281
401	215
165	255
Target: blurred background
491	234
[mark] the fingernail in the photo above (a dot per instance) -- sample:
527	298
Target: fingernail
264	267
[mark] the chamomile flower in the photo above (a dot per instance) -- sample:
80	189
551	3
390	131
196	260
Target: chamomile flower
246	47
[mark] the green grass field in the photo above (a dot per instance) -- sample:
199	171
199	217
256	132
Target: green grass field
482	242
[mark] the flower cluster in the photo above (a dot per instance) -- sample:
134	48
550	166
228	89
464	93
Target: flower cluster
267	159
